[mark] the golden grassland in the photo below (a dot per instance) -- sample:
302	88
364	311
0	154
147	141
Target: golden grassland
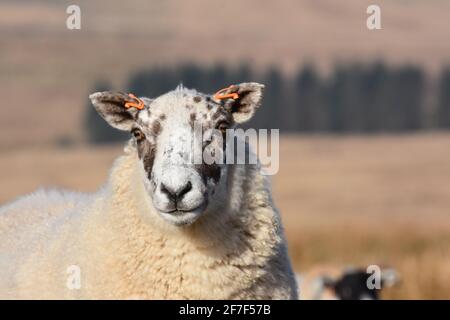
344	200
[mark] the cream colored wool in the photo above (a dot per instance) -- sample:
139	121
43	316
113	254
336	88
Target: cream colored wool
123	254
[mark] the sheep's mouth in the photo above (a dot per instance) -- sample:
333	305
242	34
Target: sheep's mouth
179	211
181	217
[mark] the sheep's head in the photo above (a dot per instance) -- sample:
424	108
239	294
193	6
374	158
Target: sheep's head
169	133
353	284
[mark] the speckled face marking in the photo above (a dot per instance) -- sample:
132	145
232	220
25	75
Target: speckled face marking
163	134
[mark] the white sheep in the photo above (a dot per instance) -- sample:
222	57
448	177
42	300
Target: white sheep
160	228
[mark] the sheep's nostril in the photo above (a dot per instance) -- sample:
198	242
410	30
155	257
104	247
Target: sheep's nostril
186	189
168	192
176	195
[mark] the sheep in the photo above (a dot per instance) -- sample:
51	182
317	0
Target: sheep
160	228
337	283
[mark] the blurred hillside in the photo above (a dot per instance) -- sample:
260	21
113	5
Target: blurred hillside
371	98
47	71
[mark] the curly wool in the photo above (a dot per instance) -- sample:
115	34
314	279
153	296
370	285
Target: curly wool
122	254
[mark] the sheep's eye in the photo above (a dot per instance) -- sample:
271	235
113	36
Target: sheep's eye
222	126
138	134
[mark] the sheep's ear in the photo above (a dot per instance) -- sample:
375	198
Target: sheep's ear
111	106
389	277
244	105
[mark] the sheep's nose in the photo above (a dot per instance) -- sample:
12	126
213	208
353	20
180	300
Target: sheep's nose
176	194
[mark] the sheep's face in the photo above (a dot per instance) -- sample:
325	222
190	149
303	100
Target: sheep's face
180	138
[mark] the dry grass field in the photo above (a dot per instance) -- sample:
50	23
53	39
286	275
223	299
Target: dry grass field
344	200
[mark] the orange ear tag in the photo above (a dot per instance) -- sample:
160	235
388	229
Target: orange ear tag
138	105
220	96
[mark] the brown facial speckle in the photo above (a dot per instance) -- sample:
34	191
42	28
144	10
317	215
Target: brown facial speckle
156	128
192	119
146	152
197	99
209	171
162	117
218	113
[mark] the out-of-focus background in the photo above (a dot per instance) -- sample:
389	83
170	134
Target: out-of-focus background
363	114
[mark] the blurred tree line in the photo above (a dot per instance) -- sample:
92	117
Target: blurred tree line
352	99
